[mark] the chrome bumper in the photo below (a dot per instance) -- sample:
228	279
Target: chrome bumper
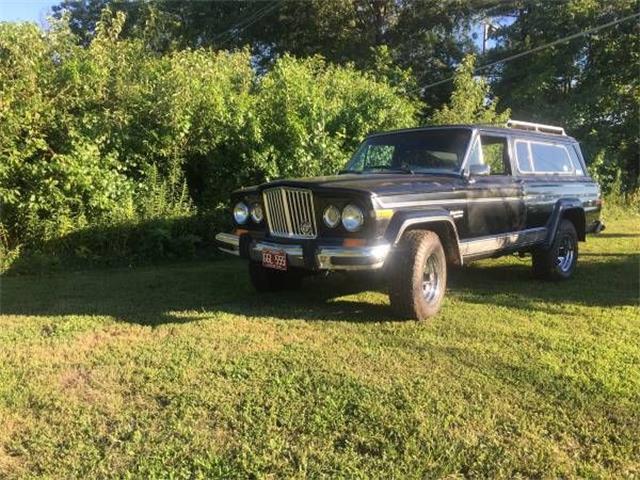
326	257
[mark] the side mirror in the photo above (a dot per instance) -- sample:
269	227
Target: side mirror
478	169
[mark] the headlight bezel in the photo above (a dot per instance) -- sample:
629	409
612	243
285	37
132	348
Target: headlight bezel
331	207
350	211
241	213
257	207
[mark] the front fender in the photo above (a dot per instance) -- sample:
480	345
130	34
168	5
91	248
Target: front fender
436	219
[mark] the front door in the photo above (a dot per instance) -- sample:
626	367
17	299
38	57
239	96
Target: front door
495	202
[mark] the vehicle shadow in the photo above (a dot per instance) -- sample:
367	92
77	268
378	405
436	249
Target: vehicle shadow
154	295
609	283
193	291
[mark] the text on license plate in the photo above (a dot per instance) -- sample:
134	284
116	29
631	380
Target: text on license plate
274	259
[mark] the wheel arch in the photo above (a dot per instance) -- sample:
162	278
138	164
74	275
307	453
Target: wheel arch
570	209
438	221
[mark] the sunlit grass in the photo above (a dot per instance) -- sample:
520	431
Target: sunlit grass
182	371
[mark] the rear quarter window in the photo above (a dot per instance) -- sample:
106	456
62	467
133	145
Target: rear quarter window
541	158
522	156
575	160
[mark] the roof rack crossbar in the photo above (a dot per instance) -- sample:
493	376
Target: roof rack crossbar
536	127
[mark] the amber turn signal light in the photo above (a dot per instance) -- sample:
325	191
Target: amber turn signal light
354	242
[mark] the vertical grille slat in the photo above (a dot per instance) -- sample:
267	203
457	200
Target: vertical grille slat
290	212
299	218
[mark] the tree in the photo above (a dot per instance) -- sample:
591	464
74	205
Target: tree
589	84
429	37
471	100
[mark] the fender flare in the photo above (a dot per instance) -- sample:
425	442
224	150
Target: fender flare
560	209
403	220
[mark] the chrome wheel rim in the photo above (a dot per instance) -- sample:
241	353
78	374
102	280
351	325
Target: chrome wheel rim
431	282
566	254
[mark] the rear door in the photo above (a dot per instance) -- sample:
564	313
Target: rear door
495	202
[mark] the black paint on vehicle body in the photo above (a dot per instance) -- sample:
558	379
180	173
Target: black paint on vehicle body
486	212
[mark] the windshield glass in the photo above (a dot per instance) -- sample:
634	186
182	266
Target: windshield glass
431	151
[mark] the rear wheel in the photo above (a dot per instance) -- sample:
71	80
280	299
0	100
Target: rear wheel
270	280
559	261
418	275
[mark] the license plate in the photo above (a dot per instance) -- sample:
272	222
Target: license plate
275	259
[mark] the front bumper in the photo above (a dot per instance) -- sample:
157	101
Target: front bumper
323	257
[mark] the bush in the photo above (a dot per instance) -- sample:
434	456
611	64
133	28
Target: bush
104	137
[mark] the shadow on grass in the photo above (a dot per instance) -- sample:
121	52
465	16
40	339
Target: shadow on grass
154	295
614	282
618	235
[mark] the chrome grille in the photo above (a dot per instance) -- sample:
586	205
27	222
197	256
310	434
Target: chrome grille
290	212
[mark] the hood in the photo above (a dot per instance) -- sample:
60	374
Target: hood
380	184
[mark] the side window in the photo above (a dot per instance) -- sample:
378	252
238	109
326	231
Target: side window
577	164
495	153
548	158
523	157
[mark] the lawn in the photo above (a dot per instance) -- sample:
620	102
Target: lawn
181	371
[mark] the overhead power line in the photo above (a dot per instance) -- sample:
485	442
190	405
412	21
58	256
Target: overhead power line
534	50
245	23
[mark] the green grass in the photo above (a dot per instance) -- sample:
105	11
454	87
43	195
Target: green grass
182	371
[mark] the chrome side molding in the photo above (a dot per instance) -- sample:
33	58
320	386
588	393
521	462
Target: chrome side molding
494	243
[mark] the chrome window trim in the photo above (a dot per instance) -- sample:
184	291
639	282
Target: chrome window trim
465	160
541	172
477	138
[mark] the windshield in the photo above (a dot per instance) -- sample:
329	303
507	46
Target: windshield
430	151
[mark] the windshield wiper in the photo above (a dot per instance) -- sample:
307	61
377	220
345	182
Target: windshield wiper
346	170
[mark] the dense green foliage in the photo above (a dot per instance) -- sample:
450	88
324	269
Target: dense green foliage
590	84
123	130
183	372
470	100
113	133
428	36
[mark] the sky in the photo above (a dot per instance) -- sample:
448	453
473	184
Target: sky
26	10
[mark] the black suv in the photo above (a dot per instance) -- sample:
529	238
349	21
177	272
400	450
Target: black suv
413	201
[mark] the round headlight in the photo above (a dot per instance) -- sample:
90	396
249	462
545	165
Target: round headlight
331	216
352	217
240	213
256	213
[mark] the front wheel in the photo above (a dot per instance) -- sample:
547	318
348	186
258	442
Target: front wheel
270	280
418	275
559	261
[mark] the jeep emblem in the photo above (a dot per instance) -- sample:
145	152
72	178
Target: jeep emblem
305	228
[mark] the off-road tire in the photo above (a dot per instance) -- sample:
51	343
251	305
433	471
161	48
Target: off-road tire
270	280
407	273
547	263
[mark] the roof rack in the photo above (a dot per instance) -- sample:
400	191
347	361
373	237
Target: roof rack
535	127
